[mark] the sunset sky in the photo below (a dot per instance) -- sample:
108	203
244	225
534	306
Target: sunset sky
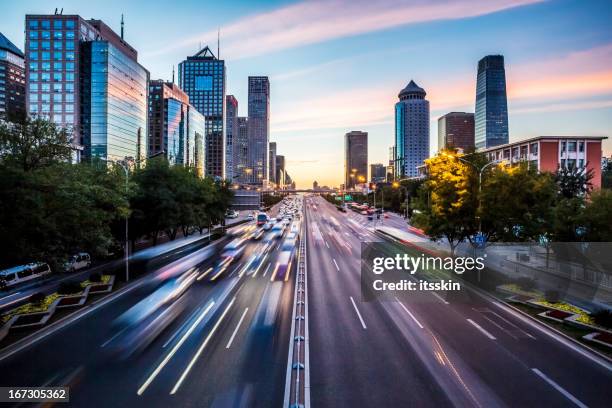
337	66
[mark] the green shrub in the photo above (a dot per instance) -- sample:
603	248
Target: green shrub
552	296
37	298
69	288
603	317
95	277
527	284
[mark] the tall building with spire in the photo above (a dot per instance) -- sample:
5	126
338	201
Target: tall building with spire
12	81
202	77
411	130
491	117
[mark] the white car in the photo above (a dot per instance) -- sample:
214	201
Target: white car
78	261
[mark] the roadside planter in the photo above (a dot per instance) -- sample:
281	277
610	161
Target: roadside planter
601	338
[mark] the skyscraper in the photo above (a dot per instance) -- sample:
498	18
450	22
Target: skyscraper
241	148
411	130
259	127
231	127
272	163
202	77
174	124
12	81
280	171
84	76
378	173
491	117
355	158
456	130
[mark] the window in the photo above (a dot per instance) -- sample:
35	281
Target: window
33	55
33	45
70	45
45	108
34	97
45	77
46	45
45	98
45	35
70	35
69	118
70	56
33	76
57	118
33	87
46	56
69	108
57	87
57	55
46	24
580	163
571	146
33	66
70	24
562	147
57	45
33	24
69	97
203	83
33	108
46	66
70	66
69	88
57	98
581	147
58	35
57	76
33	34
57	66
57	24
69	76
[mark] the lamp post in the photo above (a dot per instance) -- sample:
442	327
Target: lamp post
398	185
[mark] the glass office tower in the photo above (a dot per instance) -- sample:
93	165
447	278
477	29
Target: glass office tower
114	95
202	77
491	117
259	128
196	132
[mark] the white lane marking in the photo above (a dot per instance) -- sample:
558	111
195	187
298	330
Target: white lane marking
229	343
409	314
336	263
483	331
440	297
201	349
267	268
559	388
358	314
326	244
114	336
161	365
180	329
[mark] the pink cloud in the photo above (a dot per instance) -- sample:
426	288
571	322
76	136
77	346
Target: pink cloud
311	22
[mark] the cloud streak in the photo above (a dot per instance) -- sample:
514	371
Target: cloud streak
311	22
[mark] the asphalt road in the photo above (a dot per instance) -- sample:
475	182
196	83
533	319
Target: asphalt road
228	346
428	349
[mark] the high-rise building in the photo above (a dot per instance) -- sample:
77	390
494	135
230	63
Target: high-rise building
241	148
355	158
456	130
174	124
272	163
378	173
12	81
391	165
411	130
280	171
84	76
491	117
202	77
231	127
259	127
315	185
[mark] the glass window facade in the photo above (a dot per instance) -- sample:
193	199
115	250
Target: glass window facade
491	116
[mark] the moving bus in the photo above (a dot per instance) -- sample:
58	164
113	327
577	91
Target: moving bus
19	274
262	218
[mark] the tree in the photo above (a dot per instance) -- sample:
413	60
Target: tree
516	203
573	181
447	201
597	217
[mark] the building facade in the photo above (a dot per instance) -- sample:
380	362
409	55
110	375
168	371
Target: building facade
231	127
241	149
549	153
202	77
259	128
272	163
280	171
378	173
85	77
12	81
456	130
355	158
491	117
411	130
174	124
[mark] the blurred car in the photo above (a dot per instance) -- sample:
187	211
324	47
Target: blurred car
78	261
267	226
250	217
232	214
257	234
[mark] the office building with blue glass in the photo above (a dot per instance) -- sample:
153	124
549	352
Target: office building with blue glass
491	116
411	131
202	77
85	77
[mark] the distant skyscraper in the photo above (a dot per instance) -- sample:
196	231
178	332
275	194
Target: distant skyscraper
272	163
378	173
72	67
174	125
280	171
355	158
12	81
202	77
411	130
456	129
241	149
231	127
259	127
491	118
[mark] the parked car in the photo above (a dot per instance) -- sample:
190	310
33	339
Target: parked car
23	273
77	261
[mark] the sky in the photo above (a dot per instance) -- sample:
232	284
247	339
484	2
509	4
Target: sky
338	65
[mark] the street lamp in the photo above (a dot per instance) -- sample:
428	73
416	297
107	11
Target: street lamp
396	184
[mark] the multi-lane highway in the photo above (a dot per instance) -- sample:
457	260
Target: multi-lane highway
428	349
228	342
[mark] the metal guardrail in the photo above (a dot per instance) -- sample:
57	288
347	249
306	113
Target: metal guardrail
297	382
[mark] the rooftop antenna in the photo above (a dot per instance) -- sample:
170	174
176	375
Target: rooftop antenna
199	45
172	73
62	11
122	26
218	42
55	11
